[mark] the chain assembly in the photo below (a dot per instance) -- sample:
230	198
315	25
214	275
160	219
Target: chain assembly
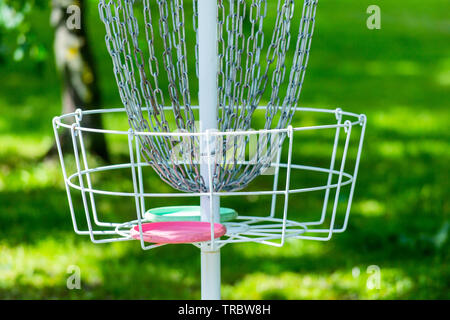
152	46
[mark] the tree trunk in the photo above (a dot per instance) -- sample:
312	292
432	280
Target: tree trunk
75	65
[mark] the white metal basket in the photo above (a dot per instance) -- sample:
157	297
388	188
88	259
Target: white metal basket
269	228
245	52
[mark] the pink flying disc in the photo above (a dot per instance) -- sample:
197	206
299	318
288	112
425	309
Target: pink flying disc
178	232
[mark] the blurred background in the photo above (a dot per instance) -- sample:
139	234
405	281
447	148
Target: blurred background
399	76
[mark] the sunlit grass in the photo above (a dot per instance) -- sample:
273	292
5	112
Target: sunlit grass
370	207
46	262
25	146
30	176
337	285
422	121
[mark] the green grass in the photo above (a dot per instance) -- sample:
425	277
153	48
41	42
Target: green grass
399	76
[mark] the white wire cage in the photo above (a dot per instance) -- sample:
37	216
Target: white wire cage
335	181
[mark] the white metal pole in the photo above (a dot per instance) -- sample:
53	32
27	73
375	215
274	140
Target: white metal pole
208	65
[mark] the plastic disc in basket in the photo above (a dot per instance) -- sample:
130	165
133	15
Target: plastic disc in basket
185	213
178	232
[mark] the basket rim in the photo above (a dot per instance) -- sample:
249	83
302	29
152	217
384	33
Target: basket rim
58	122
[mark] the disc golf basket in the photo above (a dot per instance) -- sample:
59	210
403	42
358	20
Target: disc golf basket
247	61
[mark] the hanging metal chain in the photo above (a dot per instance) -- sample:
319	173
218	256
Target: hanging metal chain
249	70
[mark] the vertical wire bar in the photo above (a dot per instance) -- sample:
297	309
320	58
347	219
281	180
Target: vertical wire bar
64	172
140	210
140	178
355	173
275	182
288	182
330	174
131	136
348	125
211	189
80	178
88	175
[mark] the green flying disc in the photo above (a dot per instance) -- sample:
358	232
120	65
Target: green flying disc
185	213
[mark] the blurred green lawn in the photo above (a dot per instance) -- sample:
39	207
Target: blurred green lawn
399	76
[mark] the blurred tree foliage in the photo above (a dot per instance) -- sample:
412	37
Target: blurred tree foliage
18	40
73	56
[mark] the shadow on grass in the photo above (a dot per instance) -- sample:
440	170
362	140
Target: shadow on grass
28	216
